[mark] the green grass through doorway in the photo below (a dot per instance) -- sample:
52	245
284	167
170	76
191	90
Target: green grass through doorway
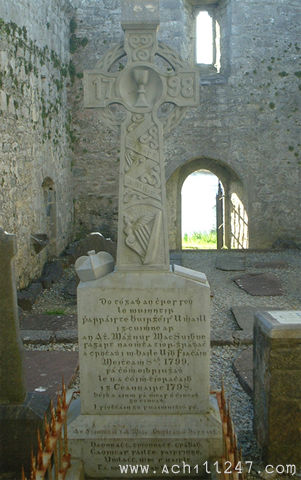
199	240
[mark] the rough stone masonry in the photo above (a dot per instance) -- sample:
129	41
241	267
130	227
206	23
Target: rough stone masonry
245	130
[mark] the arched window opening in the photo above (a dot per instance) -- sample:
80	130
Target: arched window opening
204	38
208	38
50	214
202	211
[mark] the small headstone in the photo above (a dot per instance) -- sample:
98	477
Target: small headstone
229	262
277	386
260	284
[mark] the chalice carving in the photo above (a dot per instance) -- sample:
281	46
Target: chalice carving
141	77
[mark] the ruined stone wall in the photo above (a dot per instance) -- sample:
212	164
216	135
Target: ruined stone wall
248	118
35	161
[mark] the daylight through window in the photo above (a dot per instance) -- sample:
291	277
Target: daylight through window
204	38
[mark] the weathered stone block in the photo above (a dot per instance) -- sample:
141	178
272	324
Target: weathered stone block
18	431
94	241
277	389
52	272
28	296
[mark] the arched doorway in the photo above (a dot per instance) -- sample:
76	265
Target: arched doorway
234	218
202	207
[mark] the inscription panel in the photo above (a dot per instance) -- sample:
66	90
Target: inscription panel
144	352
109	457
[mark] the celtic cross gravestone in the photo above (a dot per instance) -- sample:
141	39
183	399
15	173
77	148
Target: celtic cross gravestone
144	330
141	88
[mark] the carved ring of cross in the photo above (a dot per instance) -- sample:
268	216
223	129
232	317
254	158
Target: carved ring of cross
162	87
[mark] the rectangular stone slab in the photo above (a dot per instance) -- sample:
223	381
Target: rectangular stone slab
230	262
244	315
144	344
260	284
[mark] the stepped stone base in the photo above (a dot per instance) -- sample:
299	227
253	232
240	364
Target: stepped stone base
144	346
165	443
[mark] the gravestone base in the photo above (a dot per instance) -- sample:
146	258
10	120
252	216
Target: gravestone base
168	444
144	343
18	432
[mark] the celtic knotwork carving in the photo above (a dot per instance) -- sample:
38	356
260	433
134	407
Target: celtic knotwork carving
136	119
109	118
150	138
132	159
151	176
112	56
174	118
170	56
143	168
141	44
130	197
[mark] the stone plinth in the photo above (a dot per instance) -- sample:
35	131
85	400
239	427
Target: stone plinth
21	414
144	362
12	387
277	386
18	432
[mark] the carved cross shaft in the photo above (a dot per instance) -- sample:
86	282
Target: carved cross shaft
141	88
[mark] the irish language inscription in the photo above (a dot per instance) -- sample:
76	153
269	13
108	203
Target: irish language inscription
144	353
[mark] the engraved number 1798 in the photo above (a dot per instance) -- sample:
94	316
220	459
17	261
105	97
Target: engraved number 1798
180	86
103	88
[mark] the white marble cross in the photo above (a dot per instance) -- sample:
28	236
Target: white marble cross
153	75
